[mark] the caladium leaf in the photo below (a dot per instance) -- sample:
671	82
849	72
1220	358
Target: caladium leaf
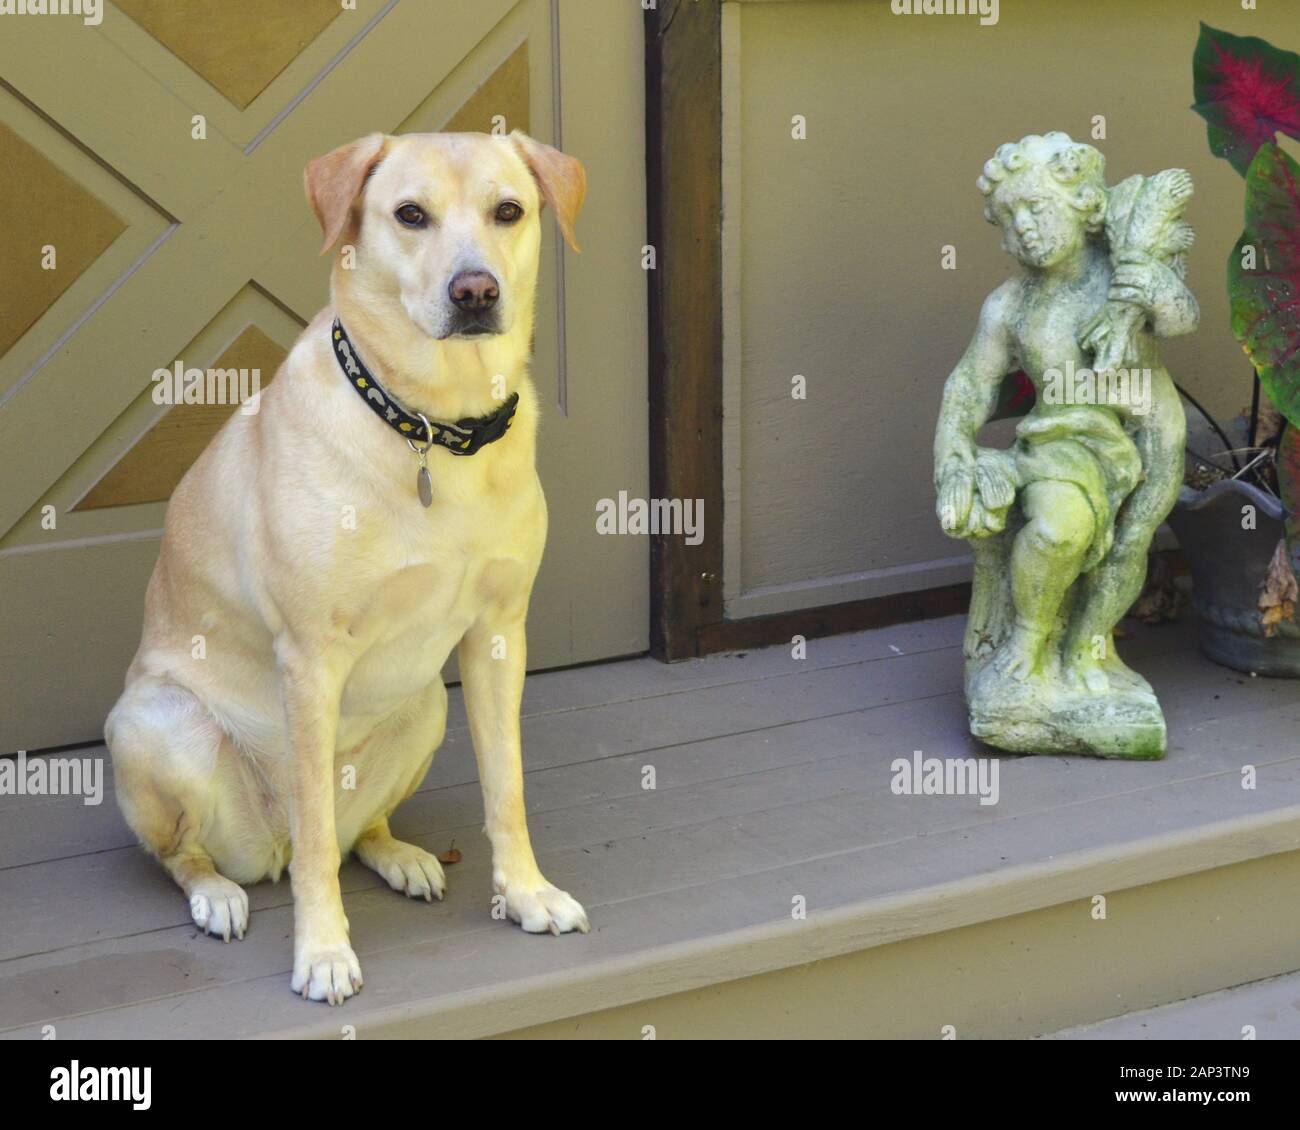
1288	477
1264	278
1247	90
1016	397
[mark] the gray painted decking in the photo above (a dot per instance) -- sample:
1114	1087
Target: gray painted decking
773	782
1271	1007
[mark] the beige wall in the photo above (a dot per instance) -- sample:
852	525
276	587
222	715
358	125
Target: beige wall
833	250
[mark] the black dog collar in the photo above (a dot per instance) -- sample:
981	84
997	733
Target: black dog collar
461	438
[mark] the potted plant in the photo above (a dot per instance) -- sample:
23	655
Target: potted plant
1238	517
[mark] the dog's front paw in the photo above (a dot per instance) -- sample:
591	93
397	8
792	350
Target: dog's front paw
542	908
326	973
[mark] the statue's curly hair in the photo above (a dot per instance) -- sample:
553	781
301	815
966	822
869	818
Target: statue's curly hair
1079	169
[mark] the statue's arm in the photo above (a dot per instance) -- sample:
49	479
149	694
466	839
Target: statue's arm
971	392
1171	308
969	399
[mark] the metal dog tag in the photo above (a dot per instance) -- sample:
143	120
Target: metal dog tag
423	480
424	485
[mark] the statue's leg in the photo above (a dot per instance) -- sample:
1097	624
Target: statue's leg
1048	554
988	622
1110	589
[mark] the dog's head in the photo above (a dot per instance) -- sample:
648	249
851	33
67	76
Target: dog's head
448	224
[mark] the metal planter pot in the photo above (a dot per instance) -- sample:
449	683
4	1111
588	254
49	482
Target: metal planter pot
1228	565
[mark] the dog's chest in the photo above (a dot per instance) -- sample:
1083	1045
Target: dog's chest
418	595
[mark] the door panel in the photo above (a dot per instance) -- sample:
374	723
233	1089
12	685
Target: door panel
205	251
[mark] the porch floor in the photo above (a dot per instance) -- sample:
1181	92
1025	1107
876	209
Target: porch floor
772	789
1272	1007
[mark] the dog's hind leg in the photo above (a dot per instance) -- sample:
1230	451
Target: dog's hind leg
409	742
404	867
165	749
217	905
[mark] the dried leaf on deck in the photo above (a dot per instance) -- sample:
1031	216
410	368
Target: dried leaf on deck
1279	592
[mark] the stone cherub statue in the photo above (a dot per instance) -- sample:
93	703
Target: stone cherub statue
1061	522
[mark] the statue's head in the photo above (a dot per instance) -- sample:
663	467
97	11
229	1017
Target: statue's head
1048	194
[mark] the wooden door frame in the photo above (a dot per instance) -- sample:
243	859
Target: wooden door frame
683	69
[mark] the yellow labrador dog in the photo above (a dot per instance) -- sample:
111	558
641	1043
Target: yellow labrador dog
324	555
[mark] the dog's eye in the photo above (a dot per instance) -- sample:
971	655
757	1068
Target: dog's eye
508	212
412	215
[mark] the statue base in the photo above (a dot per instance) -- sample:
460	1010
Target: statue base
1039	715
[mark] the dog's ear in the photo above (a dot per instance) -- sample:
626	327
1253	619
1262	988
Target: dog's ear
562	179
334	182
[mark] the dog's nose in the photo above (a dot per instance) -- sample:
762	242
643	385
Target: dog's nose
474	290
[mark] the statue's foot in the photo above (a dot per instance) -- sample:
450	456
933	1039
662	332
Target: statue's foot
1017	658
1124	677
1087	675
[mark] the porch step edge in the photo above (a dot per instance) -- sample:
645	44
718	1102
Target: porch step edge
767	947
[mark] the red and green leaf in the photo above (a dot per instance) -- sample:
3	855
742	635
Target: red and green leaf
1016	397
1288	477
1266	298
1247	90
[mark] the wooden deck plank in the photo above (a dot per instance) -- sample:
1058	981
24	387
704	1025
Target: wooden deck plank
1271	1007
607	683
